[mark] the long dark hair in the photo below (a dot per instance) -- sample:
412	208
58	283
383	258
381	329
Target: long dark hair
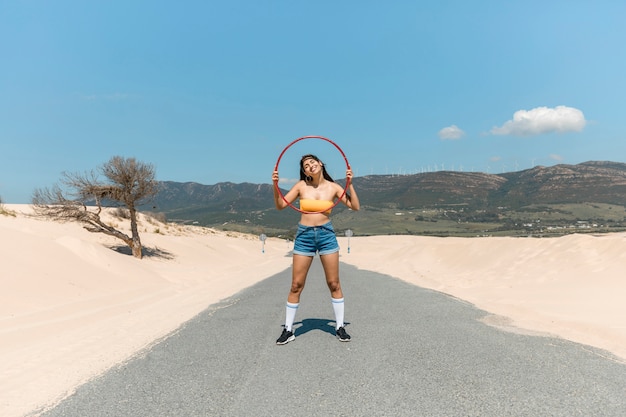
306	178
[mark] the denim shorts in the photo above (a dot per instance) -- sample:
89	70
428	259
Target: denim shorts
315	239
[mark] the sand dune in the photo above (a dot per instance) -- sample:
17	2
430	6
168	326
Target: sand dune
572	287
72	305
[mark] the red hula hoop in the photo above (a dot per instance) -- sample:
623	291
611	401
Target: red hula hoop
347	179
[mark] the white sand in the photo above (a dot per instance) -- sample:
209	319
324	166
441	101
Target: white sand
71	308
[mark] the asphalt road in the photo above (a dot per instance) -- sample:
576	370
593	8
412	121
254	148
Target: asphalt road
414	352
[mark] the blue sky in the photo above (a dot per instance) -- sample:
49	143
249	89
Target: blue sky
211	91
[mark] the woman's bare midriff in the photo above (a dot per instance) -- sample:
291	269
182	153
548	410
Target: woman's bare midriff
314	219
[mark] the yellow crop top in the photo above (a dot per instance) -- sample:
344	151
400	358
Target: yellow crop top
324	206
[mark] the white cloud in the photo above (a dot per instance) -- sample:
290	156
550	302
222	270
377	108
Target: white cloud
451	133
556	157
543	120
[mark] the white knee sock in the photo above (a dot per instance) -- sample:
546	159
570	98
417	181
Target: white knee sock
290	315
338	307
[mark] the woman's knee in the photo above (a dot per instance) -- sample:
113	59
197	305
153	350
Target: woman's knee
334	285
297	287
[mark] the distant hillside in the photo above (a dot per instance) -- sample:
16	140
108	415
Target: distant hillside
252	207
602	182
225	196
599	182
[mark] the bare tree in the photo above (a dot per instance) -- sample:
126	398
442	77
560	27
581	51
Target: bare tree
128	182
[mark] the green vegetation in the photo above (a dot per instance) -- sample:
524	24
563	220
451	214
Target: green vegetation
534	220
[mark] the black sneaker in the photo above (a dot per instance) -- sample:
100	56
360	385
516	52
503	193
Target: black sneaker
286	337
342	335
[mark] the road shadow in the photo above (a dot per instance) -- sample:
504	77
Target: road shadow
307	325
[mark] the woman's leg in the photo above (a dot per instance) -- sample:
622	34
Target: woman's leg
301	265
300	269
330	263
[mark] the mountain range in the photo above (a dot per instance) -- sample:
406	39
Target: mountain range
250	207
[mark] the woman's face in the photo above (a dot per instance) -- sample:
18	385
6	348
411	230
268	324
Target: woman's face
311	166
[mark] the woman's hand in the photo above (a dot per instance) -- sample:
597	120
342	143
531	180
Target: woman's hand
275	176
351	199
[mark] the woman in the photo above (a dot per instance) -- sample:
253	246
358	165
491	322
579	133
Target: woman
317	192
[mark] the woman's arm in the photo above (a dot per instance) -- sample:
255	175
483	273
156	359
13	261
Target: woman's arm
351	199
290	196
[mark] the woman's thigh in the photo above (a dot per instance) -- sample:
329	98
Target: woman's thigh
330	263
301	265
